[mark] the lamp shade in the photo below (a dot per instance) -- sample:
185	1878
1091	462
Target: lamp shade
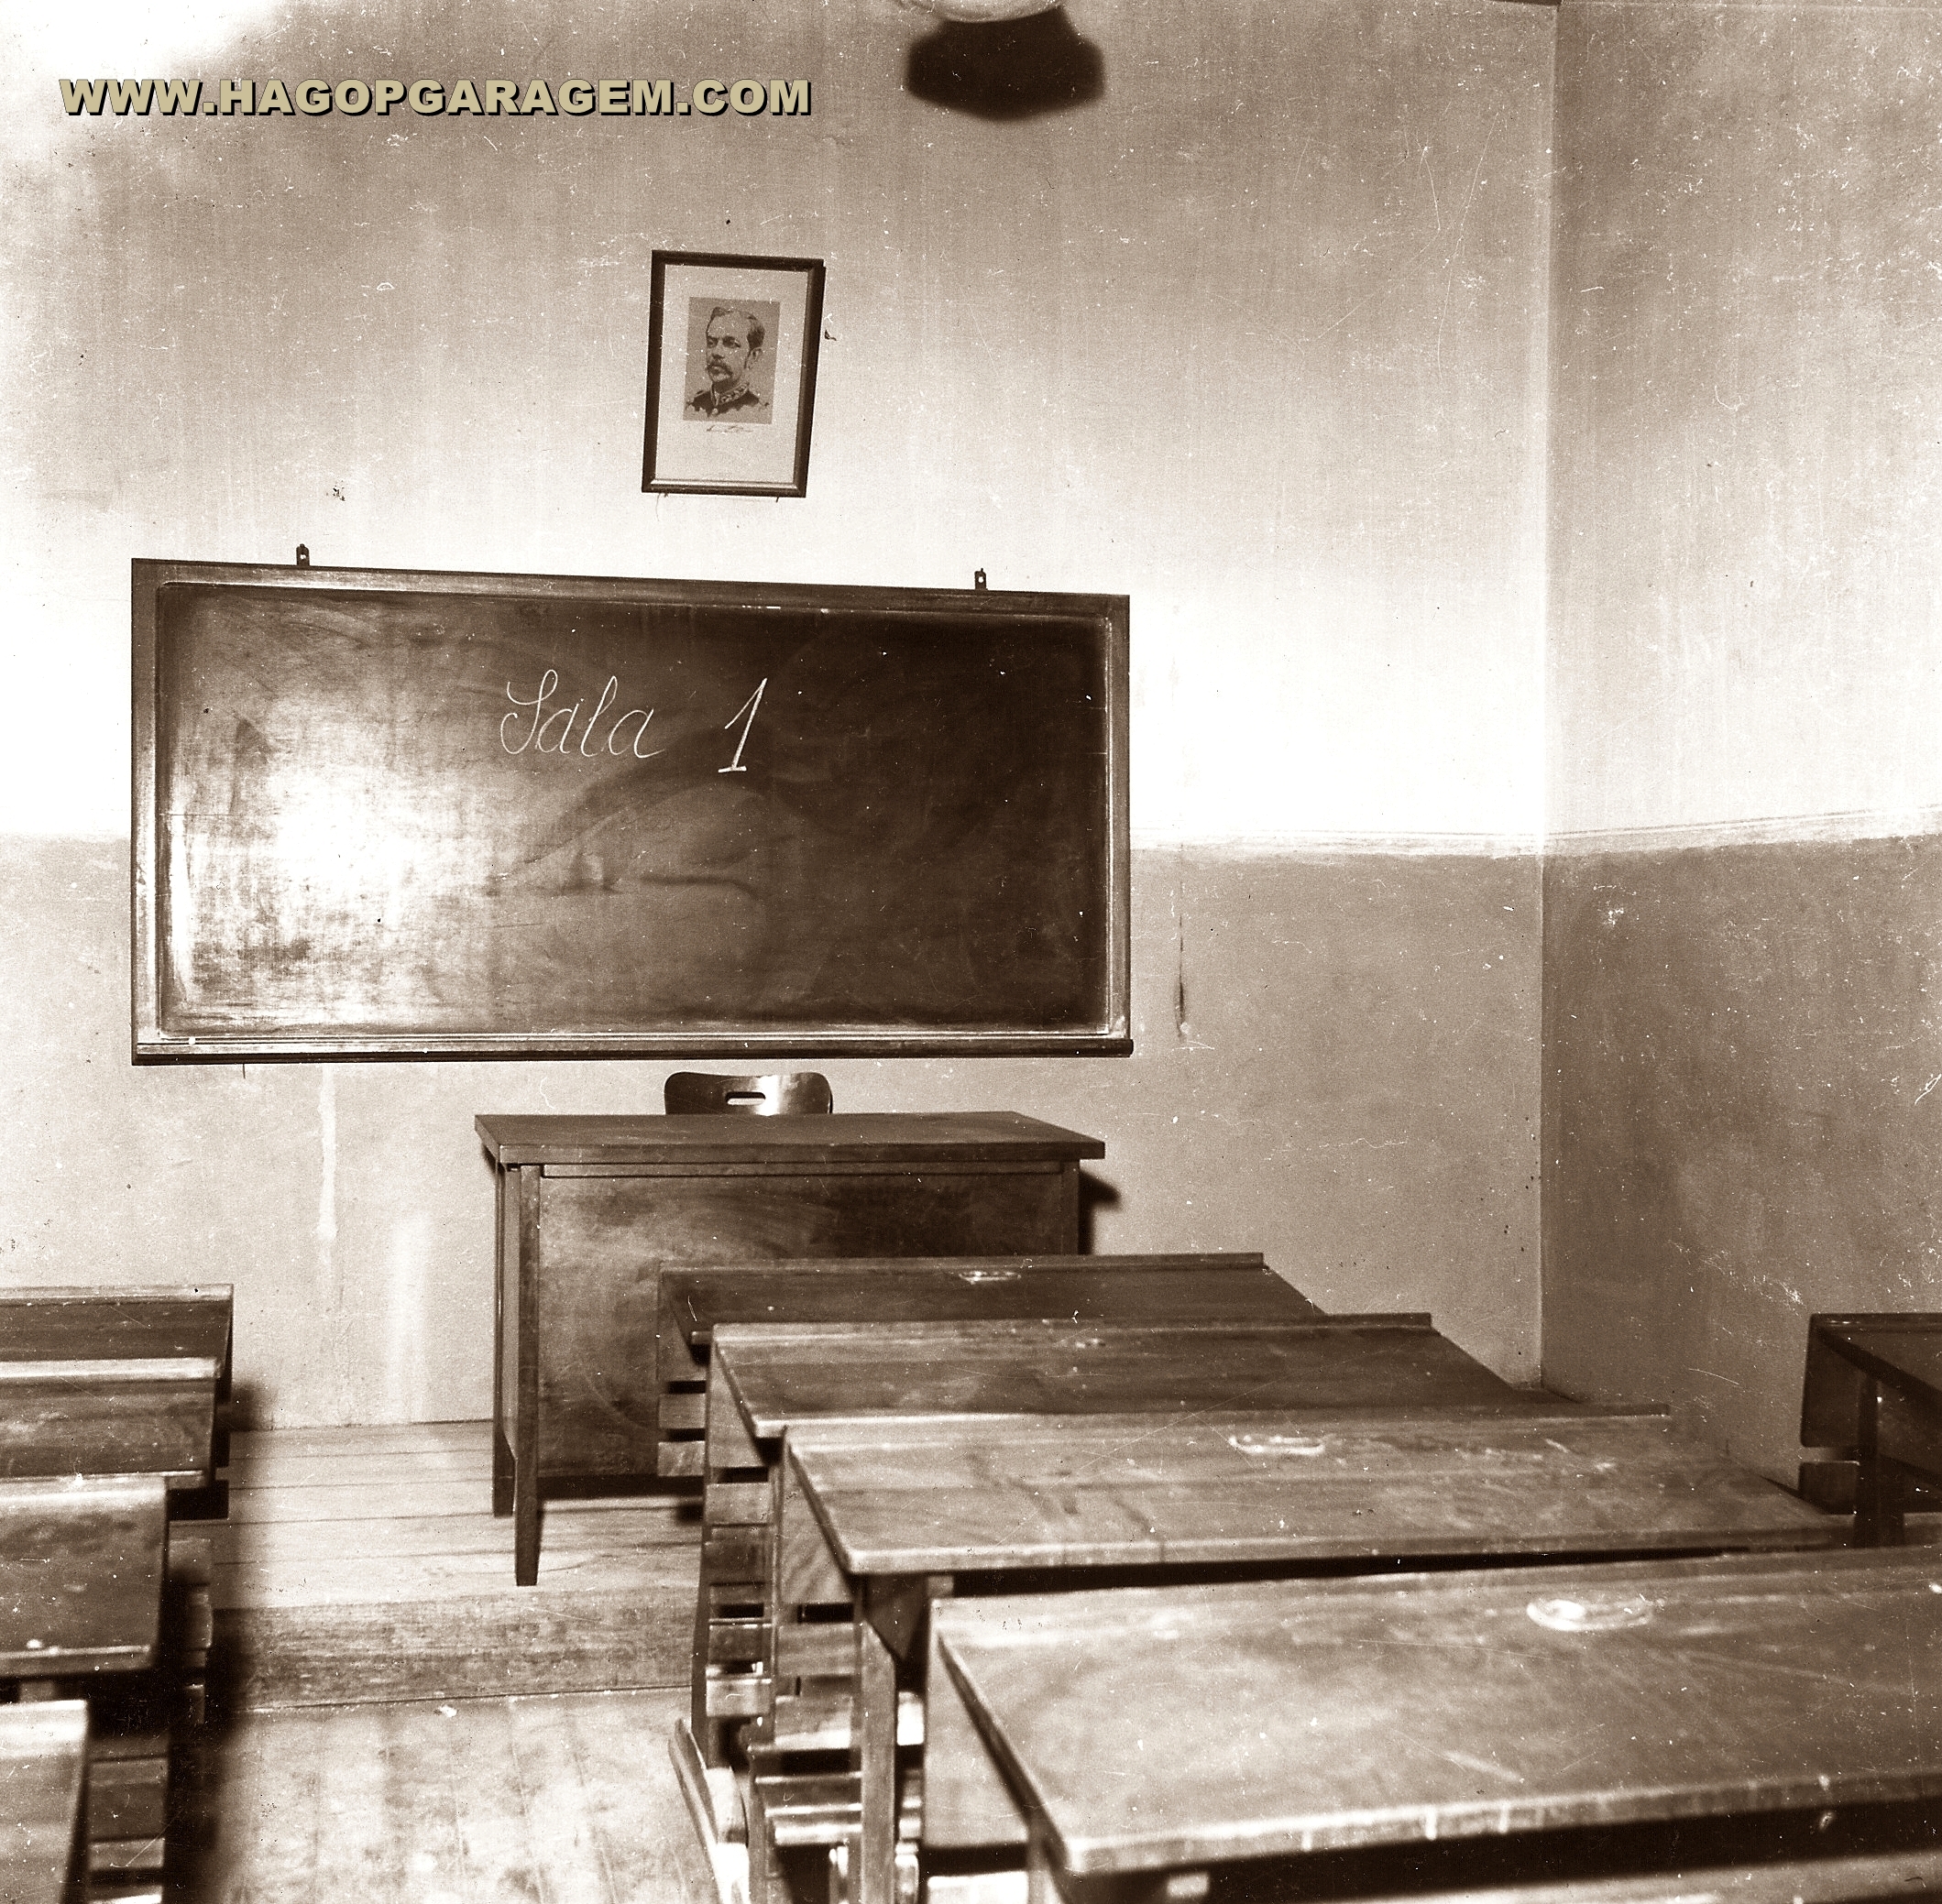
979	12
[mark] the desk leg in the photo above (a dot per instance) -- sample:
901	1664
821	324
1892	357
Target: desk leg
505	1278
1877	1520
874	1745
1041	1875
526	1427
1068	1206
503	1468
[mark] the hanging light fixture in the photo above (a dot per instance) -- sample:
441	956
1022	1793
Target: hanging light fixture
1003	59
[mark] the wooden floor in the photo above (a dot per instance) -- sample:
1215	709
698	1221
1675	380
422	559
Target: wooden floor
396	1720
366	1563
569	1799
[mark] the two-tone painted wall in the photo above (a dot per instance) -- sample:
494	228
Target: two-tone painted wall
1257	338
1743	882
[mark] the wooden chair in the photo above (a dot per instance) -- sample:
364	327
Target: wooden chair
779	1094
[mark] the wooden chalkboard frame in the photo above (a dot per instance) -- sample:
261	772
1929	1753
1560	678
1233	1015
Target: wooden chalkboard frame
1106	1031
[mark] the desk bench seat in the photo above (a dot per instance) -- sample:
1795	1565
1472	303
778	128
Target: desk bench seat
817	1812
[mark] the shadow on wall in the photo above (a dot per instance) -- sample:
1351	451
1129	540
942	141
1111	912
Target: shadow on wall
1094	1195
1007	68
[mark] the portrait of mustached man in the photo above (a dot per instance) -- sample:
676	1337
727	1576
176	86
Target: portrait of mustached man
733	361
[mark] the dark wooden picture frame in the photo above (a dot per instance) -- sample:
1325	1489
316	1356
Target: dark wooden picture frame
415	814
731	351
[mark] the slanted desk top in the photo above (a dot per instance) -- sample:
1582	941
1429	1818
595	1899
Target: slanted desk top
945	1288
765	1379
81	1574
779	1374
912	1509
875	1290
939	1498
114	1381
131	1323
855	1137
43	1771
1176	1727
1903	1350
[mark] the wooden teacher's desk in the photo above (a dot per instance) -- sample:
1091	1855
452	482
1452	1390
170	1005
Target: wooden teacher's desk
590	1208
890	1516
1765	1706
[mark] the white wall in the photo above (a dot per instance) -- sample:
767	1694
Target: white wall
1256	340
1746	606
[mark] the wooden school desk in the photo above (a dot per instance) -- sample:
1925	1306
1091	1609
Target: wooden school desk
43	1779
83	1604
1767	1705
1873	1392
939	1289
590	1208
114	1381
887	1516
763	1379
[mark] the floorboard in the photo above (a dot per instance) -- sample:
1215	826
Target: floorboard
369	1830
405	1436
489	1809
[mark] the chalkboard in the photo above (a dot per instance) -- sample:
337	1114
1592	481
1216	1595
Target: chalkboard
390	813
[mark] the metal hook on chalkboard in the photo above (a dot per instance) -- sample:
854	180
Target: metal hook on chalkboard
977	581
302	555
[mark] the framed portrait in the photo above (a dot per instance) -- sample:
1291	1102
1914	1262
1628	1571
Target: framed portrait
731	373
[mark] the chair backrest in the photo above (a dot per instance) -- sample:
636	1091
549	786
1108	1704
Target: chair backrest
780	1094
